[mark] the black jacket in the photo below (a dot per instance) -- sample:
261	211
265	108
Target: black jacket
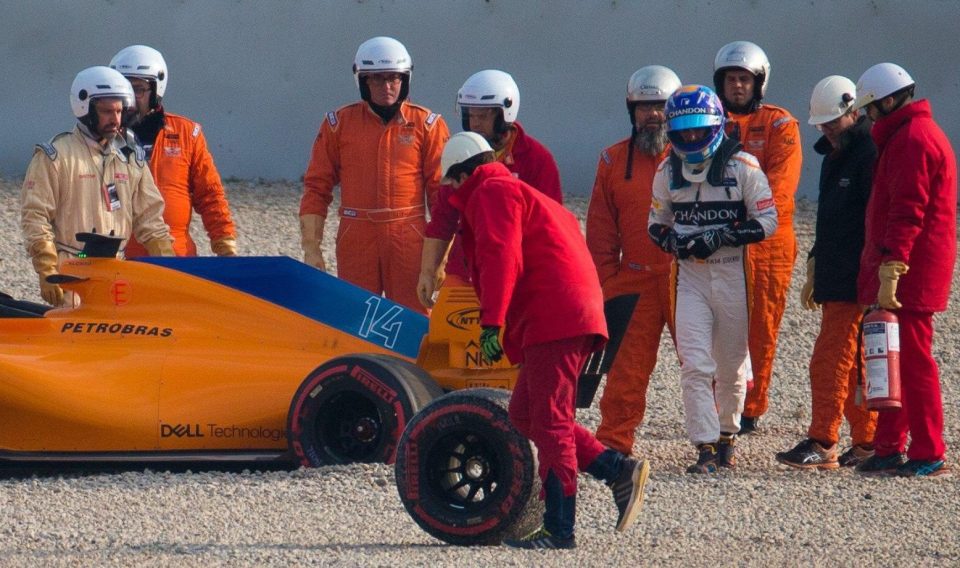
845	179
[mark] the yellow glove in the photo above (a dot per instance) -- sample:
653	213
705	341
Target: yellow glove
311	239
44	256
806	293
159	247
224	246
890	273
433	272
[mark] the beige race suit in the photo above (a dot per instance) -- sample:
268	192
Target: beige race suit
65	192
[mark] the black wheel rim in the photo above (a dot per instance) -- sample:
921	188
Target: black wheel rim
349	427
463	471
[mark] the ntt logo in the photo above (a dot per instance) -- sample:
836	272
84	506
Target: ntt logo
465	319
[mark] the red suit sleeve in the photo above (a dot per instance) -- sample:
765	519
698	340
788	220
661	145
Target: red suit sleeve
496	218
908	202
444	218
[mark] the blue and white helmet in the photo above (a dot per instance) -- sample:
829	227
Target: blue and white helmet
695	106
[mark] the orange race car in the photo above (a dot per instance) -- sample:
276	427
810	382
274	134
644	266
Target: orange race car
267	358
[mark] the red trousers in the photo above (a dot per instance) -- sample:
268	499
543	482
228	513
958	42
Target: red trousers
834	377
921	414
624	399
542	408
771	265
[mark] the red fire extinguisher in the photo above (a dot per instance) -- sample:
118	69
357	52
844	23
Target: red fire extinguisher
880	342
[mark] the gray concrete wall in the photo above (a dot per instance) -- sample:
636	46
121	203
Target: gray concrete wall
260	75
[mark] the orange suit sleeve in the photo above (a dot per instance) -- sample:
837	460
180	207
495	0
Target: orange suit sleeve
436	137
323	171
206	191
784	160
603	234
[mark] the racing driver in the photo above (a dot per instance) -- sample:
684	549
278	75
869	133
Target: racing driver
710	199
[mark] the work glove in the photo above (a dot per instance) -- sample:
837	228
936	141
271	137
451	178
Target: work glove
806	293
44	257
311	239
704	244
224	246
890	273
51	293
490	343
159	247
433	262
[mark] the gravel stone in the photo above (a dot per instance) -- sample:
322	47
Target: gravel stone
759	515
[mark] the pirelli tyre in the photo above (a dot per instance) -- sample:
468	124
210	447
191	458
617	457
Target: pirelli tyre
354	409
464	474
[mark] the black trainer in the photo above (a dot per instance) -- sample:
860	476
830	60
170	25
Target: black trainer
541	539
881	465
727	451
923	468
810	454
855	455
628	490
750	425
706	460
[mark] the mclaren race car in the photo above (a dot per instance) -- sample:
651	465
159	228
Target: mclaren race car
267	358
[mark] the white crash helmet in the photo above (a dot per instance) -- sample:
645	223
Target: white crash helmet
879	81
143	62
382	55
490	88
742	55
98	83
832	98
653	83
459	148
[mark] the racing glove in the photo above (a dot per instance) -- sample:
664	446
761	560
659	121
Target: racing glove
890	273
433	262
311	239
490	343
224	246
806	293
668	240
44	256
739	234
704	244
159	247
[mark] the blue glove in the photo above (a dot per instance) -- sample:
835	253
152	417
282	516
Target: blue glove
490	343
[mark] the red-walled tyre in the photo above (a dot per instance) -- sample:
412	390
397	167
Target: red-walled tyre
354	409
465	475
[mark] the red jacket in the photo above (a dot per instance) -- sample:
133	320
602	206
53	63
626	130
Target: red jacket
530	265
912	212
529	160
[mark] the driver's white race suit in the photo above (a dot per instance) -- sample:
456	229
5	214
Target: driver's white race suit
715	215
